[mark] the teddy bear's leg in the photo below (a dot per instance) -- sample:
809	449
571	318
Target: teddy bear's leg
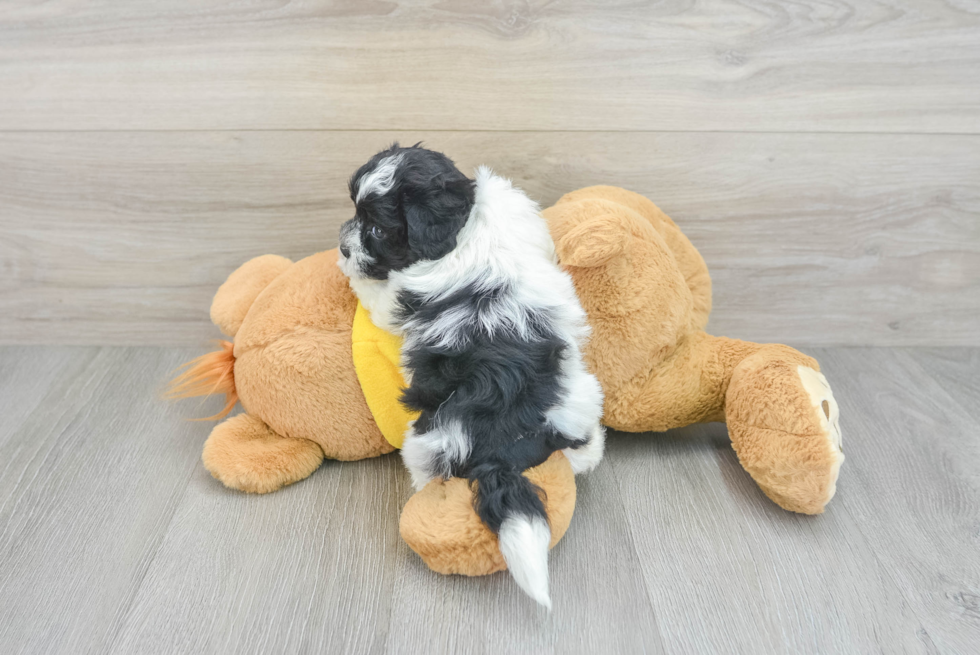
783	422
440	524
245	454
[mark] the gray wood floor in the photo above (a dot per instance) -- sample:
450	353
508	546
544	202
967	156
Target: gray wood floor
113	538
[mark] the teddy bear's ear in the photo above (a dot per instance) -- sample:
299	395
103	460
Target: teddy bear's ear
593	242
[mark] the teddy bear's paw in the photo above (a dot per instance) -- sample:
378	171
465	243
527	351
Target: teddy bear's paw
784	424
440	524
826	416
246	454
823	403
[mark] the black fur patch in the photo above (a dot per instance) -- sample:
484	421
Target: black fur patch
418	218
498	387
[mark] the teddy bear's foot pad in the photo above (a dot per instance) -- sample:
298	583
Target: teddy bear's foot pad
783	422
246	454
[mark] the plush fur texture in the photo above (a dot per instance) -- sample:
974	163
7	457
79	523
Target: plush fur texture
292	367
647	294
466	273
439	522
244	453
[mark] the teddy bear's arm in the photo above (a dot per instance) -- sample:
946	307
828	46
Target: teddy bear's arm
236	295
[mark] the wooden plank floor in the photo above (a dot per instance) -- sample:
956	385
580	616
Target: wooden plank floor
114	539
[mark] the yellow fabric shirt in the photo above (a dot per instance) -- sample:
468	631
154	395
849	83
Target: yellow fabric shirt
377	355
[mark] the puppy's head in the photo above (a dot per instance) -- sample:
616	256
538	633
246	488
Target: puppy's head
409	205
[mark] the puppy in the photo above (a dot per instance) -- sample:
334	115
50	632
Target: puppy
465	271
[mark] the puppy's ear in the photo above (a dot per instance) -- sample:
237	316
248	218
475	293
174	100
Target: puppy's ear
593	242
436	215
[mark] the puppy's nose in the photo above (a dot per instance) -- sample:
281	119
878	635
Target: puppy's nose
344	251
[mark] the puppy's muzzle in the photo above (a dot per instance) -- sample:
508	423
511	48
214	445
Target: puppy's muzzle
348	232
352	255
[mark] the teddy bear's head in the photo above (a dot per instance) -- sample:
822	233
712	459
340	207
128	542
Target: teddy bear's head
629	282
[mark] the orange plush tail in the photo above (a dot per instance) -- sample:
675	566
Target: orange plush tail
208	374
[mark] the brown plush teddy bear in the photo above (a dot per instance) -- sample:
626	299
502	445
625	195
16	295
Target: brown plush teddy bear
317	380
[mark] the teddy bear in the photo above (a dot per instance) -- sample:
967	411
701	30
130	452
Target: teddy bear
317	379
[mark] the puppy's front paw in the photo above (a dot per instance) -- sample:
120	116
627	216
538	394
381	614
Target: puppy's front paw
586	457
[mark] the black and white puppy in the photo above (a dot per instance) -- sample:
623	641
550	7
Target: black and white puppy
465	271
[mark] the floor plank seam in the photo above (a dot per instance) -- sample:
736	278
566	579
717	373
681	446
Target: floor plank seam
884	569
56	443
636	554
125	614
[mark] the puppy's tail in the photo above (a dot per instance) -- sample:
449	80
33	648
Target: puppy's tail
511	506
208	374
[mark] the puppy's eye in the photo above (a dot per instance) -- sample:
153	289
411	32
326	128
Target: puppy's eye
377	232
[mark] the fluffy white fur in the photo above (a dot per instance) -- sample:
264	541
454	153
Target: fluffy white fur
524	544
381	179
431	455
585	458
575	415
